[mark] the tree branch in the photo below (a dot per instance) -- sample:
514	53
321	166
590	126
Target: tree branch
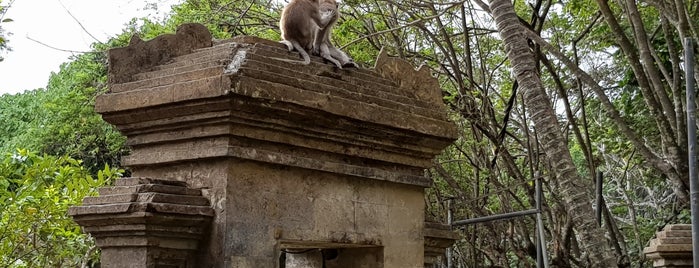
79	23
55	48
401	26
606	103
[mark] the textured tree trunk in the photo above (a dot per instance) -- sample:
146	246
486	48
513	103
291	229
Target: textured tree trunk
574	188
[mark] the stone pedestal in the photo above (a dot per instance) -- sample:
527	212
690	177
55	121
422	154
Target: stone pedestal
671	247
146	223
291	157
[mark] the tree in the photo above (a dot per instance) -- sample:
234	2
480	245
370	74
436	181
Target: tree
36	191
553	142
60	120
3	34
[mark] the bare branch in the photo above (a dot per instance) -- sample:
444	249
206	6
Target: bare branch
55	48
79	23
650	156
401	27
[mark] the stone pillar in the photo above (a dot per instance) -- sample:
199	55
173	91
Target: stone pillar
671	247
291	157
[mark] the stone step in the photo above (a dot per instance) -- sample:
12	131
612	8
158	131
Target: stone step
198	54
148	188
669	249
316	84
131	181
165	71
188	60
361	73
357	110
671	240
677	227
182	91
342	80
141	207
674	233
191	230
168	77
146	197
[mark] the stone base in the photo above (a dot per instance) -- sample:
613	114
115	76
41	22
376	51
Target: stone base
143	222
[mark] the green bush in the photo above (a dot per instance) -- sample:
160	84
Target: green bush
35	230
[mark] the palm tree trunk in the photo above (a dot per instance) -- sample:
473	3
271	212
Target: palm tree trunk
574	188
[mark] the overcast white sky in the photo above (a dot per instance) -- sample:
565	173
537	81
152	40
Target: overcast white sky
29	64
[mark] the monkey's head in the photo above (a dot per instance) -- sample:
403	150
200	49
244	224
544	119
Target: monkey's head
332	3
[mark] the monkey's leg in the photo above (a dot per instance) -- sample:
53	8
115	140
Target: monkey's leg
326	54
299	48
342	57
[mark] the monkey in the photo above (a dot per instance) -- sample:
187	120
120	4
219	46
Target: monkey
329	15
300	24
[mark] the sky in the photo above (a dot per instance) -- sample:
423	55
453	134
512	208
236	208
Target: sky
29	64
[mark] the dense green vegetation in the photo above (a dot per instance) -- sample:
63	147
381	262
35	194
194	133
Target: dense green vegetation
36	191
3	35
613	77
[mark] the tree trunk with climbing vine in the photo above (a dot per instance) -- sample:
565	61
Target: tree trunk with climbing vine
574	187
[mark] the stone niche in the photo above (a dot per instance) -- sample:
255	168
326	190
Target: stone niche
302	165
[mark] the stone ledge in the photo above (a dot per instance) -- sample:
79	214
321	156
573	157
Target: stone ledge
145	159
149	188
438	237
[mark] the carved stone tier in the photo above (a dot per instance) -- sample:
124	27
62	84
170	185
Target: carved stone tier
438	237
143	222
671	247
290	156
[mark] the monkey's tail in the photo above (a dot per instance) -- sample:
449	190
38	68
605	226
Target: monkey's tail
300	49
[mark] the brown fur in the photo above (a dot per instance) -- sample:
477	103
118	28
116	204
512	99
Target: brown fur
329	15
299	24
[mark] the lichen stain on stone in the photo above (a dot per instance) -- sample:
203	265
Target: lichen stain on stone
236	62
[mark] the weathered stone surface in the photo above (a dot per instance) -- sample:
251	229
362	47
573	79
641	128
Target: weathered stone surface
156	222
349	120
418	82
438	237
288	156
672	247
141	55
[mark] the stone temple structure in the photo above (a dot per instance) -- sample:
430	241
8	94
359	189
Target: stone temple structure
671	247
241	160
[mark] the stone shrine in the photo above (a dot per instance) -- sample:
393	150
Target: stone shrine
671	247
241	160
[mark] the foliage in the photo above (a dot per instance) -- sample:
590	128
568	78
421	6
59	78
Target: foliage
36	191
3	33
60	120
227	18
